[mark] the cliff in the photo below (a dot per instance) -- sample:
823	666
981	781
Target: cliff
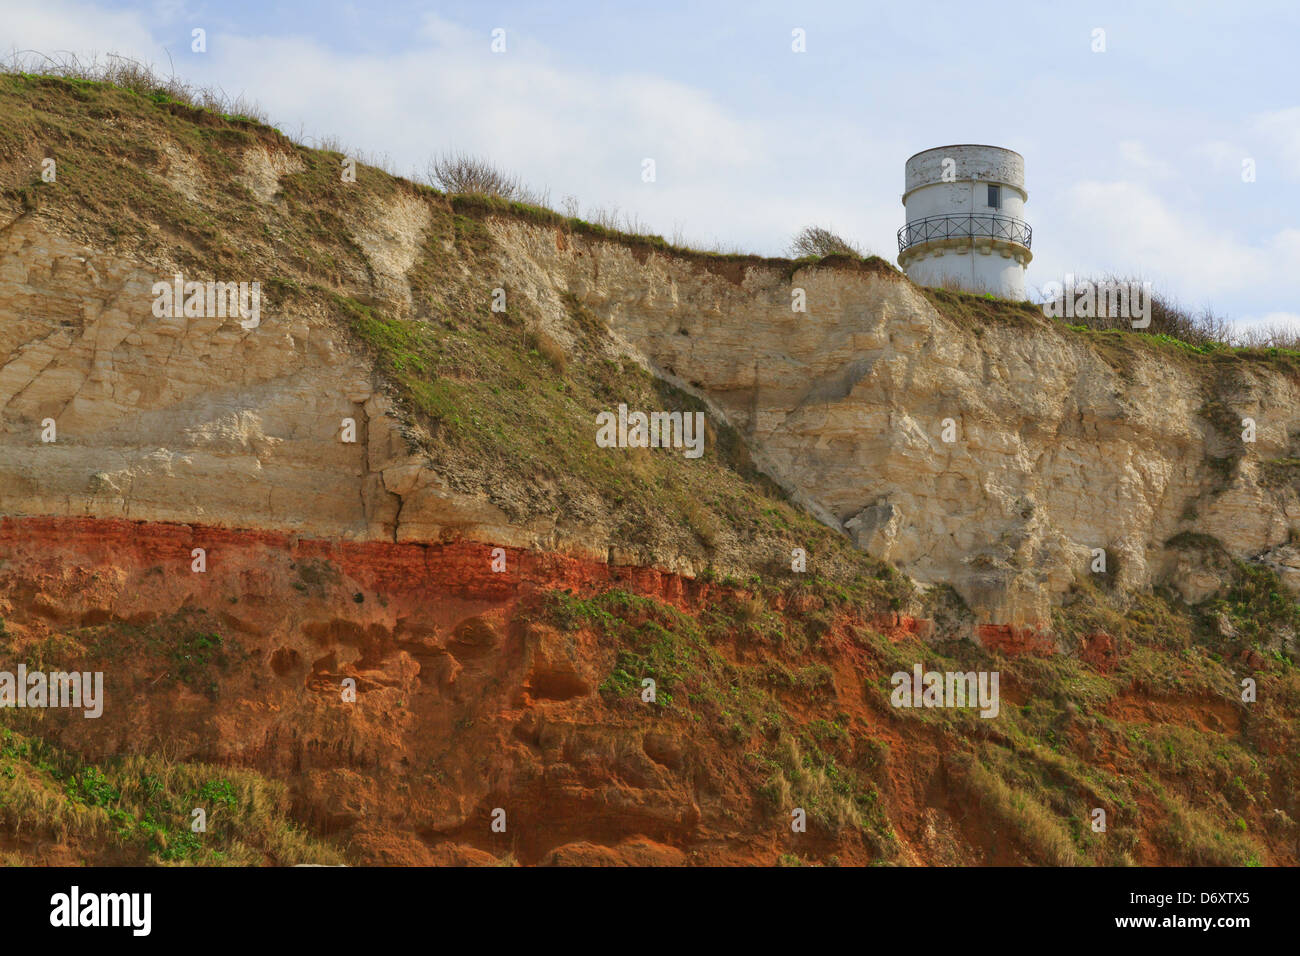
471	344
1063	441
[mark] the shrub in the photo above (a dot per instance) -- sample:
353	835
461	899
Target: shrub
462	174
819	242
1168	317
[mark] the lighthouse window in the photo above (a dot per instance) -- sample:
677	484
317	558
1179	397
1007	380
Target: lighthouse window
995	197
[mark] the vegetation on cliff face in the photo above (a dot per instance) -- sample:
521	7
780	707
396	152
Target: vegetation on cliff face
57	807
772	693
1144	720
501	409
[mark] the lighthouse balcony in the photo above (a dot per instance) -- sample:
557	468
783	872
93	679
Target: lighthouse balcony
1005	235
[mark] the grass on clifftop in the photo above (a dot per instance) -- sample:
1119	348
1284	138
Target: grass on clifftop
1201	341
51	98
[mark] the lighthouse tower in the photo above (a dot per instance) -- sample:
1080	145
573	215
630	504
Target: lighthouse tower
965	220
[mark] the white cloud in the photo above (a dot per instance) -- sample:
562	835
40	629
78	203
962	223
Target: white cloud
1136	154
1281	130
1224	158
571	131
57	26
1133	230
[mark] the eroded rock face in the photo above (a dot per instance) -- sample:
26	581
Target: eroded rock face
463	703
195	419
1058	447
1284	560
174	419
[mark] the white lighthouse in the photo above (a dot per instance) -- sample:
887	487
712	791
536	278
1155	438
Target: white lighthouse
965	220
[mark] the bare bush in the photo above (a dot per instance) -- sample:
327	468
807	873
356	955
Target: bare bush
329	143
819	242
1168	316
1275	336
463	174
549	349
635	225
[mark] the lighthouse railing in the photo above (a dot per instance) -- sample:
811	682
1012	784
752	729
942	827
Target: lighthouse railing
968	226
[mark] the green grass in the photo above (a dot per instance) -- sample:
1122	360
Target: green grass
139	810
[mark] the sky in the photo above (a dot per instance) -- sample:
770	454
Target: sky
1134	153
